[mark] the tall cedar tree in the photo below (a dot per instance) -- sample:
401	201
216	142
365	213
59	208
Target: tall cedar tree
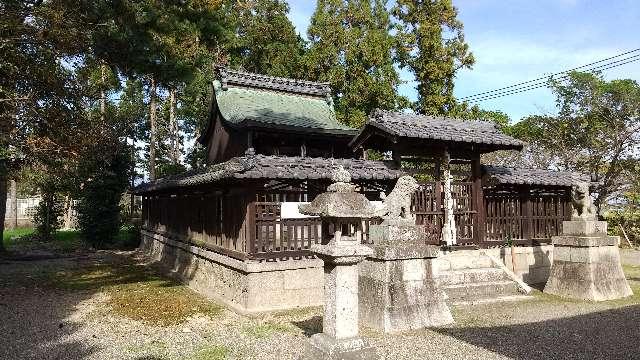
166	43
352	49
264	39
431	43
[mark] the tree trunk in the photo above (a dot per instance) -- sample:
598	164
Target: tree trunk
175	142
68	207
152	137
12	211
3	200
103	96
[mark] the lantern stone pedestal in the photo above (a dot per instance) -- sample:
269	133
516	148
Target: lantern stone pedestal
586	263
339	338
398	288
342	211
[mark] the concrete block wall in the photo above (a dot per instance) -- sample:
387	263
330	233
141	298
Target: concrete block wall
245	286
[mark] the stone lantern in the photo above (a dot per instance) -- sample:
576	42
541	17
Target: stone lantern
342	211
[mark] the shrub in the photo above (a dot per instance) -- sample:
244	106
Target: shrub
48	215
106	169
629	219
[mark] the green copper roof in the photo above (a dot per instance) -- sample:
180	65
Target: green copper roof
275	108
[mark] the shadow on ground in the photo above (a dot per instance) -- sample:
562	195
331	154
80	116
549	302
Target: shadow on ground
610	334
310	326
39	298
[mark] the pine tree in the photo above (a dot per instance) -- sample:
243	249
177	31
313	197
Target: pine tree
431	44
352	49
265	41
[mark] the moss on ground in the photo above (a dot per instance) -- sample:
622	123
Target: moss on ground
211	352
137	293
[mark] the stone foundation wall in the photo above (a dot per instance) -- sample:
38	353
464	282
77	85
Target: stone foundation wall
246	286
532	263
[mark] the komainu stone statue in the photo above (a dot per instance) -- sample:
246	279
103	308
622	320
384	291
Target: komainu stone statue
398	287
586	261
397	205
583	208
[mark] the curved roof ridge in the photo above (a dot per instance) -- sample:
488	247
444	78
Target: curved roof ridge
260	81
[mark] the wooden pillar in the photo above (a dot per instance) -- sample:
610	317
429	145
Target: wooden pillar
250	148
527	212
479	225
250	243
396	155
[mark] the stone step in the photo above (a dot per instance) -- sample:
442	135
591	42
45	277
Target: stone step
461	260
471	276
506	298
480	291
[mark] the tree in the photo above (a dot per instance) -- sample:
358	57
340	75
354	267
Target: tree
596	130
351	48
465	112
431	44
165	43
39	102
264	40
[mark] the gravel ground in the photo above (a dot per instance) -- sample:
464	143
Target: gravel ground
40	321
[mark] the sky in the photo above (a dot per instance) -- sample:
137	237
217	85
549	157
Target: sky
516	40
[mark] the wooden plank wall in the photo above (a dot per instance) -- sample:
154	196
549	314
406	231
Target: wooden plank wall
214	220
525	214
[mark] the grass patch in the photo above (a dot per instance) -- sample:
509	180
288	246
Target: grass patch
632	272
9	237
137	293
25	240
151	347
67	240
215	352
266	329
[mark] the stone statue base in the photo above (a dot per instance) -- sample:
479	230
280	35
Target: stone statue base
324	347
586	263
392	232
398	289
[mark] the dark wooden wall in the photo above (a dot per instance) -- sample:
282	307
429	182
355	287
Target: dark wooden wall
246	221
525	214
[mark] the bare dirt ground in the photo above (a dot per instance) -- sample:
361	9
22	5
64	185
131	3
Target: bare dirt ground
109	305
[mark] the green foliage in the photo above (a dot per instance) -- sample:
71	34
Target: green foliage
48	215
264	40
595	131
351	48
106	169
431	43
629	220
465	112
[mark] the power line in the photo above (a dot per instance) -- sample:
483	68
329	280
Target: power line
546	77
544	84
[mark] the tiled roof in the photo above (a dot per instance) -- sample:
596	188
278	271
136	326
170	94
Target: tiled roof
507	175
259	81
273	168
261	100
440	128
